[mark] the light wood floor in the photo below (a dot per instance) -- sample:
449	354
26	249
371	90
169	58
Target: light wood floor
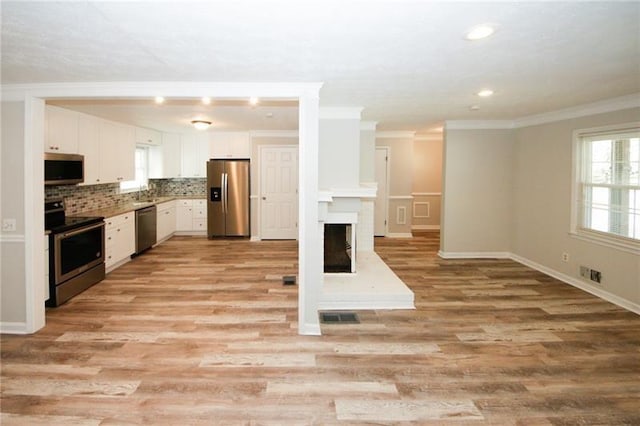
203	332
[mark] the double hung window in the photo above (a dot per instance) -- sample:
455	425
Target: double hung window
607	195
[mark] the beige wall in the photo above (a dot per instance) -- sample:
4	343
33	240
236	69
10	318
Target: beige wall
12	285
400	182
477	170
427	183
542	206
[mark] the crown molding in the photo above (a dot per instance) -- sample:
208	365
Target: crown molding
368	125
400	134
430	137
478	124
600	107
340	113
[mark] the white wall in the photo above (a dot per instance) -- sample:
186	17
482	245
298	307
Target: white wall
367	154
477	170
339	153
12	284
542	206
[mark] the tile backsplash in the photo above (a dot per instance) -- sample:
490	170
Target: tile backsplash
80	199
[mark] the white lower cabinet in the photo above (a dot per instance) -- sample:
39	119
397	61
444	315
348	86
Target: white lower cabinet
120	235
166	223
191	216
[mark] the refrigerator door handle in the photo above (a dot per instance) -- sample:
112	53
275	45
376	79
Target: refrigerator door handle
225	190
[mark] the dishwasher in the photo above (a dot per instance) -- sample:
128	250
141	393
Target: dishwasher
145	228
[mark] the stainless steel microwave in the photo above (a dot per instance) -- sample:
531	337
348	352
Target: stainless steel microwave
63	169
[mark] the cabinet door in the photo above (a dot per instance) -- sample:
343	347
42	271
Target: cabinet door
230	145
61	130
109	155
171	155
146	136
184	218
195	153
89	146
117	152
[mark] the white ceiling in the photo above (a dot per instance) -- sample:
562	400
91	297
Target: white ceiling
405	62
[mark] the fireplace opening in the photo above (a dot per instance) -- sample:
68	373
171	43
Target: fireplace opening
337	247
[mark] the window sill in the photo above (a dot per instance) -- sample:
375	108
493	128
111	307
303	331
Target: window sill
619	243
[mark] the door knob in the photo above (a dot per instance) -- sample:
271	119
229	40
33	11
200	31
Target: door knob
264	198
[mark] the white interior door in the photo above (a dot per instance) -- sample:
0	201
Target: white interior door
380	214
279	193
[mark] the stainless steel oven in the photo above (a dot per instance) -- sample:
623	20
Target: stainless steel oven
76	252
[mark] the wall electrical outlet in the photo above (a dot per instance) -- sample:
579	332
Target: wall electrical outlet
596	276
8	225
565	257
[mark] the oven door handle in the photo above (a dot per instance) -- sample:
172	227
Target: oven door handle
81	230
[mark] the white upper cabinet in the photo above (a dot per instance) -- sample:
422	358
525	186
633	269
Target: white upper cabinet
165	160
195	154
61	134
89	146
117	151
146	136
230	145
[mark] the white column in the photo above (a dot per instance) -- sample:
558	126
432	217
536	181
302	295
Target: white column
34	213
310	242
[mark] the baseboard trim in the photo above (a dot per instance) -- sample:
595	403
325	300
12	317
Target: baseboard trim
567	279
310	329
598	292
13	328
328	305
399	235
255	238
475	255
425	227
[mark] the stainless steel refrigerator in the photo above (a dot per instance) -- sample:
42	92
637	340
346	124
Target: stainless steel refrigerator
228	198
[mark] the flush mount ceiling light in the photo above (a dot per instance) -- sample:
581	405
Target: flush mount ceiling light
253	101
484	93
159	100
201	124
479	32
206	100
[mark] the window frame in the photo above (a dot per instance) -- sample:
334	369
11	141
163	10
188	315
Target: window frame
128	186
577	229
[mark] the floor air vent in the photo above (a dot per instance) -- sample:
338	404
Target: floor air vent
339	318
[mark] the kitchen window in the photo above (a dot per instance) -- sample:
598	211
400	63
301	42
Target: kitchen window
142	172
606	201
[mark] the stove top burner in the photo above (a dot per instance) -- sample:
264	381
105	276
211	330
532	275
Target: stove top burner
56	221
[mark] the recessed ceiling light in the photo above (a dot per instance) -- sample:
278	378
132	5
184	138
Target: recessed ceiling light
269	115
159	99
206	100
201	124
485	93
253	101
479	32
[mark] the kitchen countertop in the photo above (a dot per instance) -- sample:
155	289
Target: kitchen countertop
119	209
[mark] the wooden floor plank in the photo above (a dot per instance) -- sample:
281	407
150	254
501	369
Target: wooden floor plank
199	331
